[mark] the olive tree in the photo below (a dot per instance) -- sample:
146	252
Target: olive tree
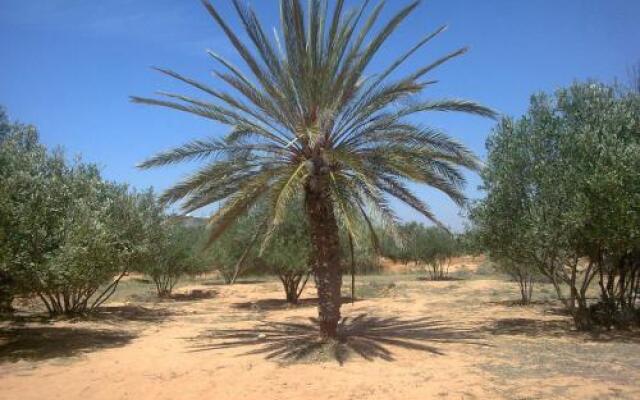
440	247
562	198
99	237
231	254
431	248
68	236
287	256
175	253
22	170
502	220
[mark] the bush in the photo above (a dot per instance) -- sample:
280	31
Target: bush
233	252
176	253
286	254
68	236
430	248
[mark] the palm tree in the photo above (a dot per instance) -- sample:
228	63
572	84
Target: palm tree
310	123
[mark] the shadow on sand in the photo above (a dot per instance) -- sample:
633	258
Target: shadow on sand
555	328
41	343
281	304
109	314
364	336
195	294
239	282
36	337
131	313
527	327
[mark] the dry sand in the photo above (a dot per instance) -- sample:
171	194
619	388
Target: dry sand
423	340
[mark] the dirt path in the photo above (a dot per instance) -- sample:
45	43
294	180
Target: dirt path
419	340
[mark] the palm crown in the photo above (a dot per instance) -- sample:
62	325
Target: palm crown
309	108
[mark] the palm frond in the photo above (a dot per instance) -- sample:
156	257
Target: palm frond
453	105
192	151
400	192
238	204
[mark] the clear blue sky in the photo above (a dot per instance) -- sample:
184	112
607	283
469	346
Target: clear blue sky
68	66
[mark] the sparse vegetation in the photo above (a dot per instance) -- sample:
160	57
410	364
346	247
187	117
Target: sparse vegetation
109	290
428	248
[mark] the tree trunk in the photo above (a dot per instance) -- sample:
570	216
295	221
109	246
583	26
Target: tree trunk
582	318
6	292
325	254
291	293
290	285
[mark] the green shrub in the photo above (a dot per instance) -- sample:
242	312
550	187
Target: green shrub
176	252
562	199
68	235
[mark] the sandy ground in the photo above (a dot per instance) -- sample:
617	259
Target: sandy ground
410	339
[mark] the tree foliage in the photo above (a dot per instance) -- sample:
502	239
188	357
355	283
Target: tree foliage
235	251
68	235
563	196
287	254
430	248
176	251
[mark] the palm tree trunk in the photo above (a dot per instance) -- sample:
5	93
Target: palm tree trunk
325	247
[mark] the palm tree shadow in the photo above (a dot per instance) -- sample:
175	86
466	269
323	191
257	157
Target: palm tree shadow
368	337
282	304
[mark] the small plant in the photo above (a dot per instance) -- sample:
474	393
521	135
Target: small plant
525	276
176	253
429	248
